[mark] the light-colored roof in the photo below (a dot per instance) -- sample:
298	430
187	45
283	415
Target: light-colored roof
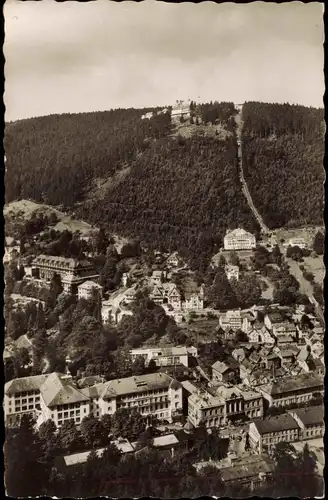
167	440
135	384
90	284
23	342
238	232
60	261
189	387
25	384
220	367
56	391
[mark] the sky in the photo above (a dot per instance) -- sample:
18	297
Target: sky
77	57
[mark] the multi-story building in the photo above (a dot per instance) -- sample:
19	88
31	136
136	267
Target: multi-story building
181	109
231	320
287	390
194	300
265	434
258	334
56	397
166	355
297	242
87	289
223	372
215	407
310	421
72	272
45	396
239	239
232	272
155	394
166	293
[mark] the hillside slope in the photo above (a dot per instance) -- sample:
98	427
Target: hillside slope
135	177
283	148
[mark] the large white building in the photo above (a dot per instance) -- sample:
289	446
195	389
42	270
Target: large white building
72	272
166	355
86	289
56	397
239	239
216	406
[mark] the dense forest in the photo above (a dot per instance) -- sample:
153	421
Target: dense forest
283	148
134	176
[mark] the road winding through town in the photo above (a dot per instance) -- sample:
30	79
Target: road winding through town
239	123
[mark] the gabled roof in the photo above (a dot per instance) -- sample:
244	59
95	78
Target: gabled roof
57	391
220	367
90	284
291	384
310	416
140	383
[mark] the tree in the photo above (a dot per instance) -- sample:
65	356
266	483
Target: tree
25	475
92	432
69	437
248	291
101	241
319	243
138	366
106	421
295	253
128	423
276	255
221	294
233	258
222	261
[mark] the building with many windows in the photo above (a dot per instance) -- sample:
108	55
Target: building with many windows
216	406
56	397
72	272
239	239
87	289
310	421
292	389
165	355
231	320
265	434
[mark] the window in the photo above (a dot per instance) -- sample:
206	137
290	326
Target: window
30	407
24	407
24	401
65	414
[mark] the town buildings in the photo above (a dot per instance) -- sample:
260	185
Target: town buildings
166	293
217	406
72	272
265	434
231	320
87	289
181	109
297	242
310	421
166	355
288	390
224	372
239	239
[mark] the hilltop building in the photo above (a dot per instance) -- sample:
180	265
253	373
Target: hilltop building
72	272
87	289
239	239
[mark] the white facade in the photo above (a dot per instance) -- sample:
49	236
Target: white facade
231	320
86	289
165	356
55	397
297	242
239	239
232	272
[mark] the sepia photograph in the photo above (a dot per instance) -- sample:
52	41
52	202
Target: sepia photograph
163	249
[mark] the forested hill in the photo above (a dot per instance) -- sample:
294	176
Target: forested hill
283	148
139	178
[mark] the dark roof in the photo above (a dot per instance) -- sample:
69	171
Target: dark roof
290	384
276	424
247	469
310	416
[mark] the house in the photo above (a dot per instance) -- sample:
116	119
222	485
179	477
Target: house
287	356
165	355
157	277
232	272
166	293
217	406
273	318
87	289
260	335
174	260
297	242
71	271
130	295
11	253
239	239
147	116
265	434
193	299
181	109
308	363
287	390
106	310
249	319
249	472
239	354
310	421
125	279
222	372
231	320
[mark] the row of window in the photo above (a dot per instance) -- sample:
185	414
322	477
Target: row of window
30	407
26	393
69	406
25	400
